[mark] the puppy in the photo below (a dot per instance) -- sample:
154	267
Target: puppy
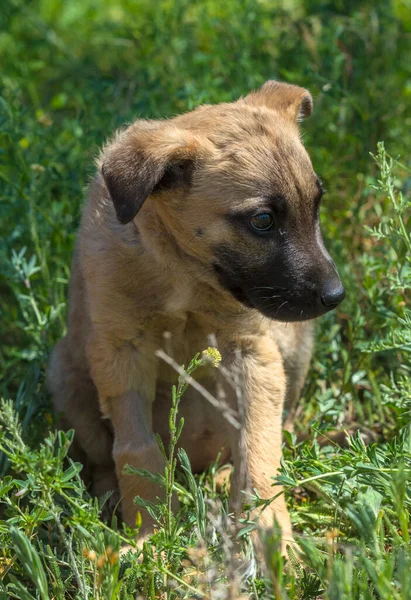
204	224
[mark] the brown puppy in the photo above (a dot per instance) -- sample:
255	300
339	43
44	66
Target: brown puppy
203	224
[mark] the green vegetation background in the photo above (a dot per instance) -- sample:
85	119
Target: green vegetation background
71	72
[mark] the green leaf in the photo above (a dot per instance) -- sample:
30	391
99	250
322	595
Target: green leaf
30	561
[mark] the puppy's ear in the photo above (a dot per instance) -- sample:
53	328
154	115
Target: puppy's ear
144	161
295	101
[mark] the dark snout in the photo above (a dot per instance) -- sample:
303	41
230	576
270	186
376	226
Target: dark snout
296	283
306	286
316	287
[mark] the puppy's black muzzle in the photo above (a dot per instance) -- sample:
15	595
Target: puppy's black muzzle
290	288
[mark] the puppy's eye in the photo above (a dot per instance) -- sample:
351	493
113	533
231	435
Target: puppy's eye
262	221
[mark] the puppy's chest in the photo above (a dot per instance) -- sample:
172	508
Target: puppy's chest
182	337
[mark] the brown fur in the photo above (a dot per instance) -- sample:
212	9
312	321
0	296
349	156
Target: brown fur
153	272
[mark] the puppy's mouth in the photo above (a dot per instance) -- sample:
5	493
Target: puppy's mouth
279	304
266	305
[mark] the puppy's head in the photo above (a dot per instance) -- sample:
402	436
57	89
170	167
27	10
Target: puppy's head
234	189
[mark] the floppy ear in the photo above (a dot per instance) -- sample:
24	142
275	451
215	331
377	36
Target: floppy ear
144	161
297	102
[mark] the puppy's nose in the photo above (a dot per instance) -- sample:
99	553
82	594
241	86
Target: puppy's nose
333	293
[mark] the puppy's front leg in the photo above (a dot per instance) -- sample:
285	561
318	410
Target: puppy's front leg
257	368
125	378
136	445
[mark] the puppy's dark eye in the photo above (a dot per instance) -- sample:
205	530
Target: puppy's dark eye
262	221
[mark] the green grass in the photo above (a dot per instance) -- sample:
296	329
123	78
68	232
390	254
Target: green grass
72	72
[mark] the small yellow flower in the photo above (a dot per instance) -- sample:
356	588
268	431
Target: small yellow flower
211	356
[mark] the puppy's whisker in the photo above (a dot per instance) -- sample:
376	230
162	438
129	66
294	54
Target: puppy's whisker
274	288
267	304
268	299
280	307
